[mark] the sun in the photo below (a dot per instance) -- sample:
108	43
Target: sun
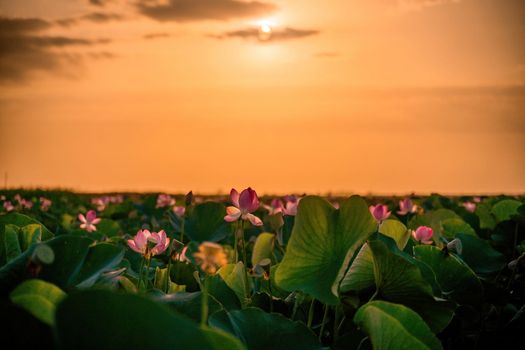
265	28
265	31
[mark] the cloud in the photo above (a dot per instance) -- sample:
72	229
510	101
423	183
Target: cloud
96	17
24	50
101	55
196	10
102	17
98	2
156	35
22	25
276	34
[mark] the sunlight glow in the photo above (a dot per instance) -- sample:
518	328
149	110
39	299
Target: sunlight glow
266	28
265	31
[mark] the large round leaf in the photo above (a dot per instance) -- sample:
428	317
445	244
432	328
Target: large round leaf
393	326
22	220
505	209
101	257
100	319
259	330
70	252
15	272
263	247
28	235
206	222
486	219
322	243
480	256
11	243
78	262
17	220
235	278
16	239
455	226
456	279
395	230
397	278
360	276
39	298
224	294
190	304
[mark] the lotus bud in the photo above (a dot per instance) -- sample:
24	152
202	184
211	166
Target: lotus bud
188	199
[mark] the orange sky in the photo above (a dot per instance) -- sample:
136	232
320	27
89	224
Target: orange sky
383	96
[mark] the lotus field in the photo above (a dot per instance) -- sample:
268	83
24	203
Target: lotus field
156	271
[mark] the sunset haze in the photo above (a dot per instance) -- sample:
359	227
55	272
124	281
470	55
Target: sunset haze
341	96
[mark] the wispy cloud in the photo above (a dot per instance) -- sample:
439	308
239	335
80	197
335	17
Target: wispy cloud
96	17
25	49
99	2
21	25
102	17
277	34
197	10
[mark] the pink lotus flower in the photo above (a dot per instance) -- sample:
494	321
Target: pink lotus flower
292	202
24	203
182	255
423	234
244	205
179	210
275	207
165	200
45	203
89	221
470	206
8	206
100	202
116	199
336	205
380	212
406	206
140	243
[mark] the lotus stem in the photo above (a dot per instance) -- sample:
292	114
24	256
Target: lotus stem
374	295
361	343
183	221
141	272
245	261
204	305
311	314
236	242
295	307
270	290
168	278
336	321
325	315
146	279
